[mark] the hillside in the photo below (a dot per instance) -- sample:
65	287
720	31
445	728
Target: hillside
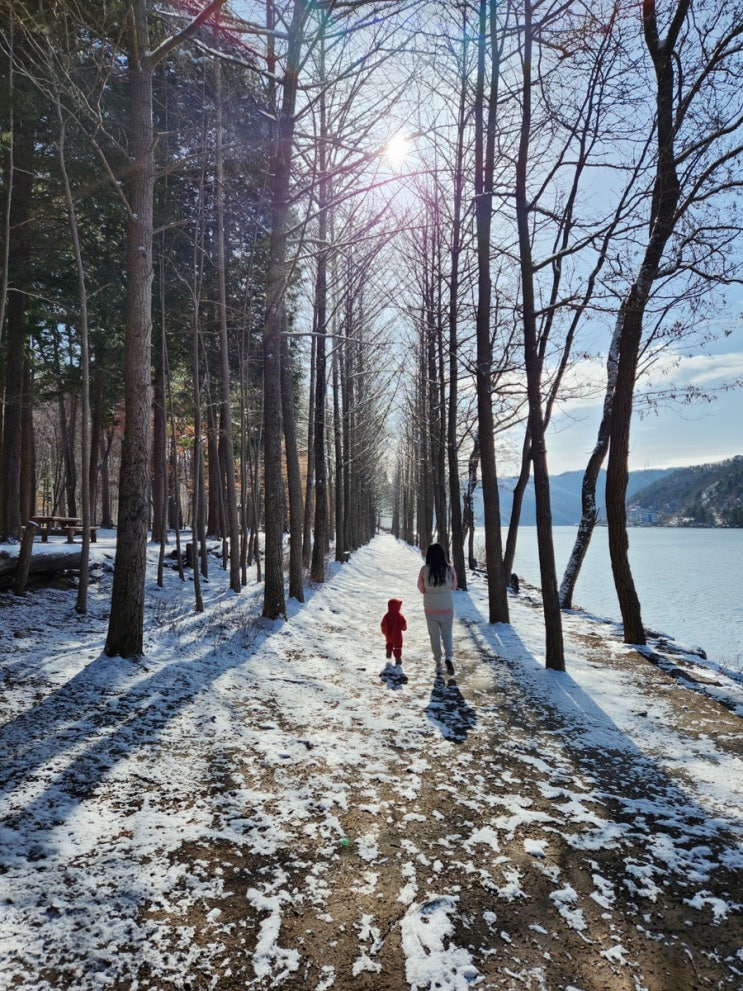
565	492
702	495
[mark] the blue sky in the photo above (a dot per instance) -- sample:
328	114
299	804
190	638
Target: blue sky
674	436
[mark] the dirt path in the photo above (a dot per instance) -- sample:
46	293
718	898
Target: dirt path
534	861
253	808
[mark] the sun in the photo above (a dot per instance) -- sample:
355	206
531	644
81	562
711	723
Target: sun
397	150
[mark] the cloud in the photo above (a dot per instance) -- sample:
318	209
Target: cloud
585	382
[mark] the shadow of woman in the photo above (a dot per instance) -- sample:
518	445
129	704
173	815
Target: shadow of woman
449	712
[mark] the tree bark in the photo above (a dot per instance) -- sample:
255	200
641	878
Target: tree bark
485	156
19	279
226	435
81	605
24	557
554	647
589	509
662	221
274	602
452	446
320	528
126	620
293	476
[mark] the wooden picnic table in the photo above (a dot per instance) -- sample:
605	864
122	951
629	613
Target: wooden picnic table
61	526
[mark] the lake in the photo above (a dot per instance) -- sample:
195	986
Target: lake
689	581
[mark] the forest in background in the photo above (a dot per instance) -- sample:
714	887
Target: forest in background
698	495
702	495
266	263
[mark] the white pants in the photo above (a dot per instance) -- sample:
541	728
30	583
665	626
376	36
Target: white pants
440	628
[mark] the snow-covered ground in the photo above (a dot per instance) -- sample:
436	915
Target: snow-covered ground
250	805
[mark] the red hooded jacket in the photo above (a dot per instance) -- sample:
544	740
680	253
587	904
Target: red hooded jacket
394	623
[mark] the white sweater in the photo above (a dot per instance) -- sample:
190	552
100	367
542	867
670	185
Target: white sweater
437	599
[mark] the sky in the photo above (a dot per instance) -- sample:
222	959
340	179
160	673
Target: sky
673	436
183	820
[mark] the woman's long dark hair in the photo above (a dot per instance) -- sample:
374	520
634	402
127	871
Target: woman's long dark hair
438	566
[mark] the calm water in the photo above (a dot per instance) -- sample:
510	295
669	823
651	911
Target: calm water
690	582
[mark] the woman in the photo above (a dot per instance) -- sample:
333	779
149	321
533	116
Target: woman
437	580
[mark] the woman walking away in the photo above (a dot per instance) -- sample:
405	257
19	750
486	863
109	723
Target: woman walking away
437	580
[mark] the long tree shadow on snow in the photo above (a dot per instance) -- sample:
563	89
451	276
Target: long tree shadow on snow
83	727
105	712
590	742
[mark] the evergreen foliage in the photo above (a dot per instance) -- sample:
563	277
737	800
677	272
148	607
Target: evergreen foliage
703	495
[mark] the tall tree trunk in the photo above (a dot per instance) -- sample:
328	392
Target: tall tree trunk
274	602
19	279
82	588
517	502
554	647
422	414
215	516
320	528
617	474
197	516
452	445
469	501
589	508
433	331
226	439
309	498
293	476
485	159
96	431
126	619
9	183
347	402
105	451
27	492
340	519
662	222
159	441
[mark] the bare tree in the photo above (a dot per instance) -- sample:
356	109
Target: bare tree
274	602
486	110
226	433
82	591
698	124
554	648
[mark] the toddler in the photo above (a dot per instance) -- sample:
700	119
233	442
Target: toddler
393	626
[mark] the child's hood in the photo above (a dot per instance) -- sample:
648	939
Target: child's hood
394	605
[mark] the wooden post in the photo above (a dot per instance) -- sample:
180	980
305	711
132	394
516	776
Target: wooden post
24	557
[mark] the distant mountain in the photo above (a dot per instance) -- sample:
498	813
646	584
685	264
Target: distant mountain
703	495
565	494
